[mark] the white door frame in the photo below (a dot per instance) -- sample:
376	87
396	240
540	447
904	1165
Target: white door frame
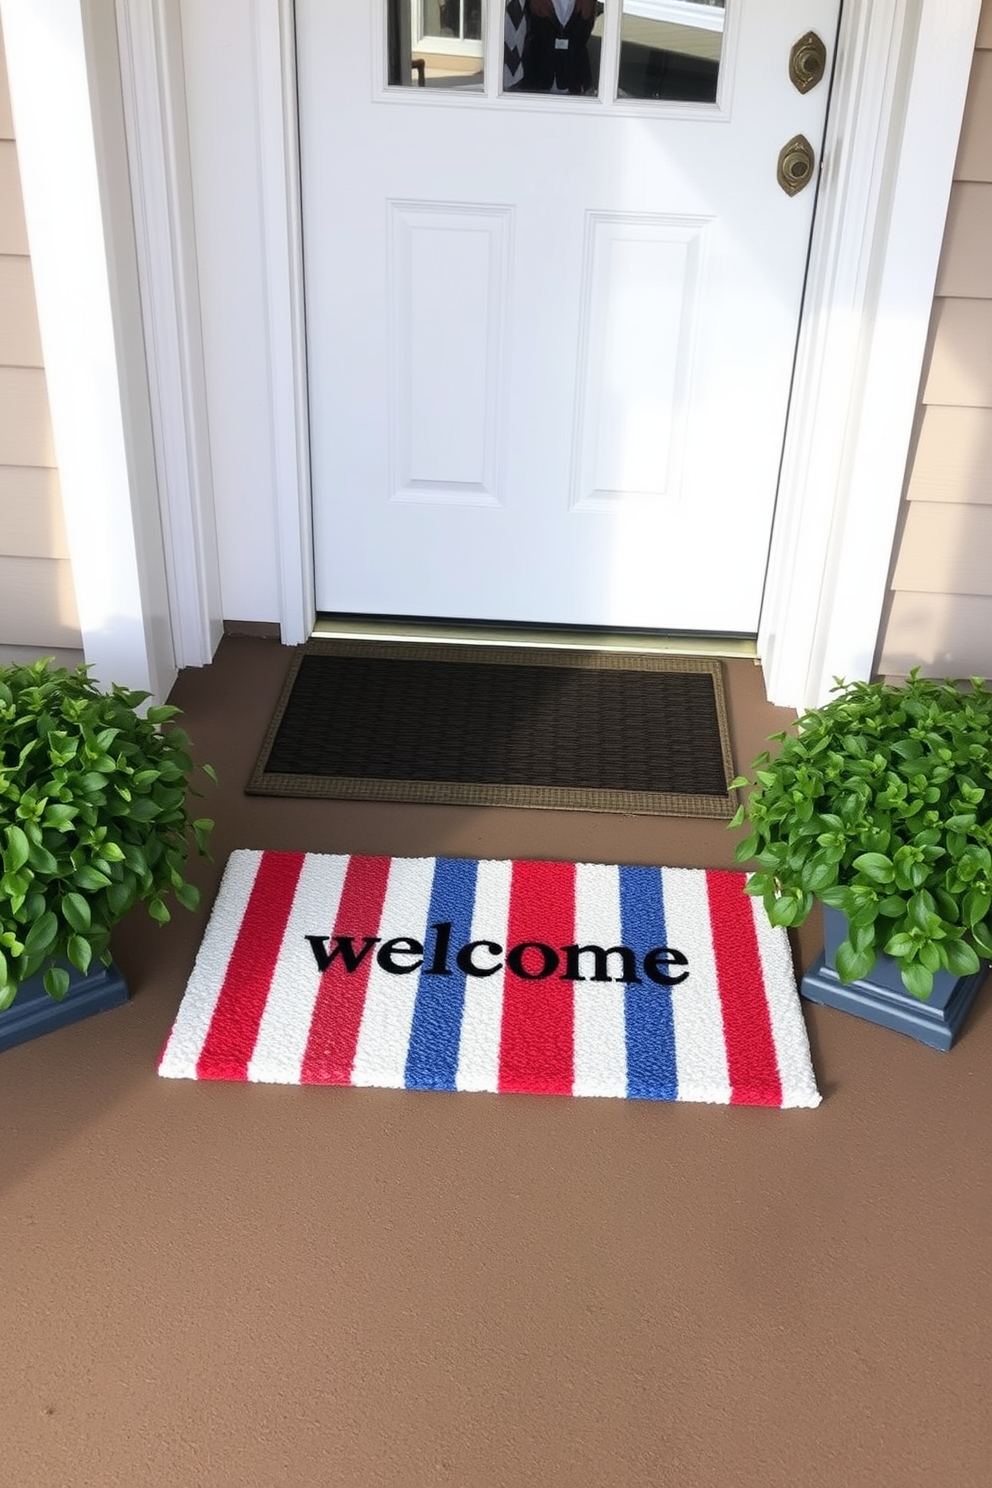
900	85
892	135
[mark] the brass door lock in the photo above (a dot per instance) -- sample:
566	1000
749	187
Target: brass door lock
807	62
795	164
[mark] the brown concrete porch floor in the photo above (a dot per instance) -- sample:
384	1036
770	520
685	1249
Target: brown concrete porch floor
230	1285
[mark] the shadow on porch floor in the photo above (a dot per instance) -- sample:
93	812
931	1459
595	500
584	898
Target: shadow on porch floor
225	1285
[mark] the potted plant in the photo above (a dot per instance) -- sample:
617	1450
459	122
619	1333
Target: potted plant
93	818
879	805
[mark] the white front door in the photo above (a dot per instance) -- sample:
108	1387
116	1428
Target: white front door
550	333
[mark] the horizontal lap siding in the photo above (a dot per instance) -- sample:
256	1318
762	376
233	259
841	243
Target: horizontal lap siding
37	603
940	610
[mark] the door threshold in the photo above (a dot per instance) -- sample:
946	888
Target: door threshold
564	638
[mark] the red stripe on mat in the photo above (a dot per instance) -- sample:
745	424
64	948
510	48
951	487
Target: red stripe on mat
537	1044
751	1060
233	1029
337	1014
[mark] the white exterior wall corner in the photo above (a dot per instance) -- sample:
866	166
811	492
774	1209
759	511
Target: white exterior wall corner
65	92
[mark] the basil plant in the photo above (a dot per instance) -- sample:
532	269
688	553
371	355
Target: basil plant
879	804
94	817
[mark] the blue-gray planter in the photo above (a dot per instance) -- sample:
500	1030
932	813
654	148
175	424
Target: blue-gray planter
33	1012
883	999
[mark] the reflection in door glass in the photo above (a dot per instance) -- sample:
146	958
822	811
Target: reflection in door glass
434	44
549	46
670	49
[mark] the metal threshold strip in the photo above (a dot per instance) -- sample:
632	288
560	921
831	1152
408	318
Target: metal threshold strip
565	638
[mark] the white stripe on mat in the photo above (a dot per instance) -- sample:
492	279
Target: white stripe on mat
697	1014
384	1036
784	1009
600	1007
482	1018
189	1032
285	1026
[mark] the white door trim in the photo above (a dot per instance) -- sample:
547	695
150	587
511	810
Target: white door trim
65	88
901	81
892	135
150	41
274	38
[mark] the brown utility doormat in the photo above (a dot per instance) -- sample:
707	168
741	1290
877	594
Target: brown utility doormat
500	726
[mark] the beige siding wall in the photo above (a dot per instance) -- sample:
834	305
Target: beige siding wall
37	604
940	607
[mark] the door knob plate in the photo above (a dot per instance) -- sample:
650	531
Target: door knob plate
807	62
795	164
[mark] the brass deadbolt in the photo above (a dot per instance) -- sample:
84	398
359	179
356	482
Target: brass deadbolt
795	165
807	62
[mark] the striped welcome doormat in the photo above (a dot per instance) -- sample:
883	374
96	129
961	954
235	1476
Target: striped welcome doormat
457	974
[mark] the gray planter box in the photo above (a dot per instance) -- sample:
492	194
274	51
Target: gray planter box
882	998
33	1012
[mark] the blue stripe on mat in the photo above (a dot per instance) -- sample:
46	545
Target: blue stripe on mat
652	1073
432	1058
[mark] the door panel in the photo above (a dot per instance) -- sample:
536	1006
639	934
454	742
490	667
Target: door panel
550	336
443	439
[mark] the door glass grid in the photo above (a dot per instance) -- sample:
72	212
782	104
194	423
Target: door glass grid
665	51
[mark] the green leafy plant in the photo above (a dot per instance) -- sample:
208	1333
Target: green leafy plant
879	804
93	818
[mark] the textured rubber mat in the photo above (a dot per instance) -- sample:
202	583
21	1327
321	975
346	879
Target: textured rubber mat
512	726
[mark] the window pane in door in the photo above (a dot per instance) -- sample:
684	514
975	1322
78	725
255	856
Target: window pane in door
552	46
670	49
434	44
